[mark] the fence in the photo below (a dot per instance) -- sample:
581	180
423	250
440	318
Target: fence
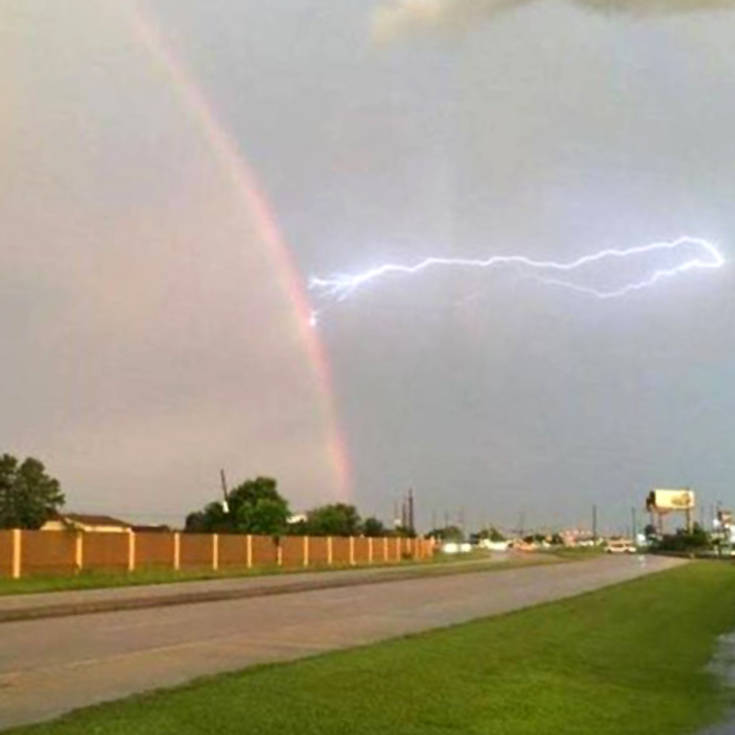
27	553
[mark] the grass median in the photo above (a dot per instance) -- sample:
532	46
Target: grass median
106	579
626	659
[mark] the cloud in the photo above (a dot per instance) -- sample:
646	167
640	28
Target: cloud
399	18
416	16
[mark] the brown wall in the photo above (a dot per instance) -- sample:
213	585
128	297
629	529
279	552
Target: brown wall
54	552
105	550
361	550
232	550
317	550
292	550
196	550
378	550
6	553
153	549
48	552
340	550
264	551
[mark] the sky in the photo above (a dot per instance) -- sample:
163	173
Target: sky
174	173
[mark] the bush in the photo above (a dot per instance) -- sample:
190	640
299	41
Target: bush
683	540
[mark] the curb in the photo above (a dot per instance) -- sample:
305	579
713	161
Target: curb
36	612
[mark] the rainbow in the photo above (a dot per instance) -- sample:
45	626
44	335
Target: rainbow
226	151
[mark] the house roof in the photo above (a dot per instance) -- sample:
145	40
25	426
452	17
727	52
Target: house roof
157	528
90	519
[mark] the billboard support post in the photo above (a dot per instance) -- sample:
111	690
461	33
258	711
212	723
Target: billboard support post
660	502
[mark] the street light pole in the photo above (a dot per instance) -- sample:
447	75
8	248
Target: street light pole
635	525
594	523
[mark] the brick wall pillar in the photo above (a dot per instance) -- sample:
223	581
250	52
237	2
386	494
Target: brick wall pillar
79	551
131	551
177	551
16	554
215	551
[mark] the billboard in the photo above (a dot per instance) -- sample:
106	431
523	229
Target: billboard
681	499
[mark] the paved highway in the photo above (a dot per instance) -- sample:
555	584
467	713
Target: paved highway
53	665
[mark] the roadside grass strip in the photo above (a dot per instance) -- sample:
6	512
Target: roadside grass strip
625	659
86	580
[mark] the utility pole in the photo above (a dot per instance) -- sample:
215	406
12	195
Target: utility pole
594	523
635	525
225	494
410	508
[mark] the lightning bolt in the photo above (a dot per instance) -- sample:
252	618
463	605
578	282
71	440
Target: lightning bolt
341	286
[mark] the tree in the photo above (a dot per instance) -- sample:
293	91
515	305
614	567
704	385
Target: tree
254	506
373	527
28	496
495	535
448	533
336	519
213	519
404	532
684	540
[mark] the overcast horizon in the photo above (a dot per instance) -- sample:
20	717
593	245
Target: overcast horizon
149	332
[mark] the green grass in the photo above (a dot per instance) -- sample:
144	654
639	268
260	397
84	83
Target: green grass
626	659
90	579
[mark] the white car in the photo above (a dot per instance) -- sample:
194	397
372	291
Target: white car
453	547
619	547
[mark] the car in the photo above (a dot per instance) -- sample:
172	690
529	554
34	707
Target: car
619	546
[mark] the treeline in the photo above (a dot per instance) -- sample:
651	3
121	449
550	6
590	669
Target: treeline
28	495
256	506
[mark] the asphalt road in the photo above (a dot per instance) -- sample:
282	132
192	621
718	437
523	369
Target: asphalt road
53	665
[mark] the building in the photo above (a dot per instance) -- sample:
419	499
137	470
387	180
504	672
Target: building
85	522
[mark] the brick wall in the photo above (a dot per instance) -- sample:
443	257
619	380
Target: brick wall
6	553
153	549
362	550
57	552
340	550
292	551
46	552
105	551
317	551
195	550
233	550
264	551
